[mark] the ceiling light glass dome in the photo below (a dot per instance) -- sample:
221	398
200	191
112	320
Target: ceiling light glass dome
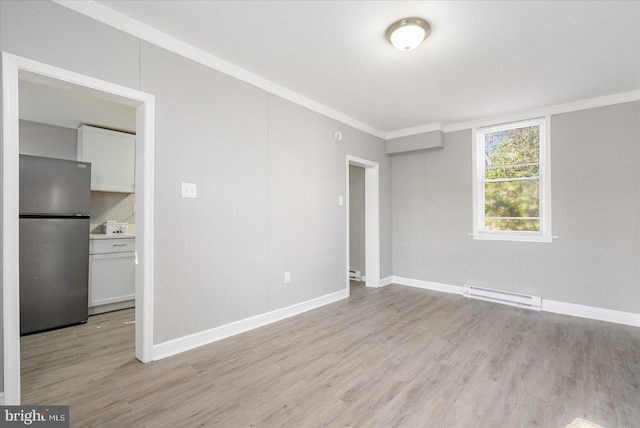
408	33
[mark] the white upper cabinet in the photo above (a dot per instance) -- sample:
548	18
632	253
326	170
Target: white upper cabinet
112	156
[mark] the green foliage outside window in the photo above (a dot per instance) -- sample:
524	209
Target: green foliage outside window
512	182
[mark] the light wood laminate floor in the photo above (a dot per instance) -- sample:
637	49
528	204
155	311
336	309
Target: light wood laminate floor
394	356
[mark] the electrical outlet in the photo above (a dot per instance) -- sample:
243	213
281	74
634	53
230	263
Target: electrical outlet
287	277
189	190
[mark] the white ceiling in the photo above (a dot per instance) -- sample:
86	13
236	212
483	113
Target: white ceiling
482	59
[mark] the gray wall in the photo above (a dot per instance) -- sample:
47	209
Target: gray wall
269	175
596	215
49	33
40	139
356	218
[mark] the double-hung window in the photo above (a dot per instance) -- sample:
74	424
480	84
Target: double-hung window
512	198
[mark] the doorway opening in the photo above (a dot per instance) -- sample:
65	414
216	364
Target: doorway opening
371	229
14	69
357	251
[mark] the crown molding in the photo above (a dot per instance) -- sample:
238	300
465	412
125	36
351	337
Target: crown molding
149	34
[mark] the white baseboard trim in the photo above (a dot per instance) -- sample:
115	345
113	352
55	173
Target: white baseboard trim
195	340
428	285
386	281
95	310
582	311
112	300
591	312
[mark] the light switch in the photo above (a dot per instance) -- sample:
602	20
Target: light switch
189	190
340	200
287	277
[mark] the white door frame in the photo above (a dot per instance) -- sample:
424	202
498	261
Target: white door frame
12	66
371	220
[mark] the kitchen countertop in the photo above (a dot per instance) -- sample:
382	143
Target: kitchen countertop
118	236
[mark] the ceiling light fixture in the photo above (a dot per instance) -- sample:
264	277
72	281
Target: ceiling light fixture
408	33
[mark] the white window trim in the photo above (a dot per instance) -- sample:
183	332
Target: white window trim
545	234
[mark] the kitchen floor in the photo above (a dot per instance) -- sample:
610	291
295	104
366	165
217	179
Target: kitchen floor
53	363
393	356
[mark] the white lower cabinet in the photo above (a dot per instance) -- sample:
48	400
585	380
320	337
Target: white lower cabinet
111	275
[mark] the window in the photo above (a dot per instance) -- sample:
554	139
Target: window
511	186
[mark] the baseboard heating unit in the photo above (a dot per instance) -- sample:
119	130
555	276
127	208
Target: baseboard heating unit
504	297
355	275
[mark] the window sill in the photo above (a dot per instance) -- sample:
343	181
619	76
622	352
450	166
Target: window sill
512	237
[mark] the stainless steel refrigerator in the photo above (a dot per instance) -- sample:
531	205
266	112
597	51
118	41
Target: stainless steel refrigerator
55	200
